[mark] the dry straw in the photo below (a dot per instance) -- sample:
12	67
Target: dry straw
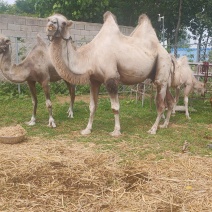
59	175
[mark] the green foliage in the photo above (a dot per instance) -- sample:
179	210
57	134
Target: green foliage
6	8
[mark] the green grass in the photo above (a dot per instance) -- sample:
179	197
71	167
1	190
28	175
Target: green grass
135	122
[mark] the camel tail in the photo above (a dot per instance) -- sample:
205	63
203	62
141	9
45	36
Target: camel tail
108	14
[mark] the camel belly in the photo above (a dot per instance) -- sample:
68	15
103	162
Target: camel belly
130	79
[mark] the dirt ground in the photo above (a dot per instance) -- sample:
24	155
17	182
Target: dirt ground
65	175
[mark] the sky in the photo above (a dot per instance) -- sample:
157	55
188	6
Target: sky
10	1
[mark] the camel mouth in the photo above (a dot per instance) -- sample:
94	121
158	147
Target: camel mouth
50	30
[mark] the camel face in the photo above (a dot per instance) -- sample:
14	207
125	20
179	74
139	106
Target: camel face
4	44
56	25
200	88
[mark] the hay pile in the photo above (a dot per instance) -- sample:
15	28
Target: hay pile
61	176
12	131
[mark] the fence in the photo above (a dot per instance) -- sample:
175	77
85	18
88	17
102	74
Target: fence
22	45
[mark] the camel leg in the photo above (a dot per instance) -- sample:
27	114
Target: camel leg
94	92
187	90
160	105
170	104
177	95
46	89
32	88
112	88
71	89
115	108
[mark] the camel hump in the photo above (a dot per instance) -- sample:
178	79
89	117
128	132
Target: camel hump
173	58
142	18
108	14
184	59
40	40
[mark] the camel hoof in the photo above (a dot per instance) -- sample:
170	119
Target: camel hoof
188	117
85	132
30	123
70	114
152	131
115	133
52	125
163	126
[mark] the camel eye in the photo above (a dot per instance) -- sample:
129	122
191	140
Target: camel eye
7	41
64	23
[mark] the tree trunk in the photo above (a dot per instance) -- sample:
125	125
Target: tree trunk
177	28
205	48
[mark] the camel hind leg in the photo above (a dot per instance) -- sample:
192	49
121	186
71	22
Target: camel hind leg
160	105
177	95
71	89
46	89
112	88
32	89
94	92
170	104
187	90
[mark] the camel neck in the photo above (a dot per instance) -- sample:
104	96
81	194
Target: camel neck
11	72
68	62
5	63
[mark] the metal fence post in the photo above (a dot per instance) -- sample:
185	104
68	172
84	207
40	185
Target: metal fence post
17	59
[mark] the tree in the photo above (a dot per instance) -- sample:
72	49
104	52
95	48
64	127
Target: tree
6	8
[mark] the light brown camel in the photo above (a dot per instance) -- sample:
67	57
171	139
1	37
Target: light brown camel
183	76
112	58
36	67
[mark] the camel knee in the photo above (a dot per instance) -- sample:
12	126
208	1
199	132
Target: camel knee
48	103
112	86
115	111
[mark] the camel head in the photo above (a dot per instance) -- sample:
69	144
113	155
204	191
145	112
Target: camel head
199	87
58	26
4	43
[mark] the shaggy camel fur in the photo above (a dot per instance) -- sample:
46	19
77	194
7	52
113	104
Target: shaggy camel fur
184	76
112	58
36	67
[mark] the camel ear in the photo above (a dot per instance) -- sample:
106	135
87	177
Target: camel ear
69	23
7	41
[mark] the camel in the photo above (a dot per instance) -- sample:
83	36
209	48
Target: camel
112	58
184	76
36	67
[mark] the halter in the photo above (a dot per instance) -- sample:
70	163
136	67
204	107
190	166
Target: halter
51	37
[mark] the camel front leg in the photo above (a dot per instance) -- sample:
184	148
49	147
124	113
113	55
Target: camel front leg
71	89
115	106
94	92
112	88
170	104
177	95
32	89
187	90
160	105
46	89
